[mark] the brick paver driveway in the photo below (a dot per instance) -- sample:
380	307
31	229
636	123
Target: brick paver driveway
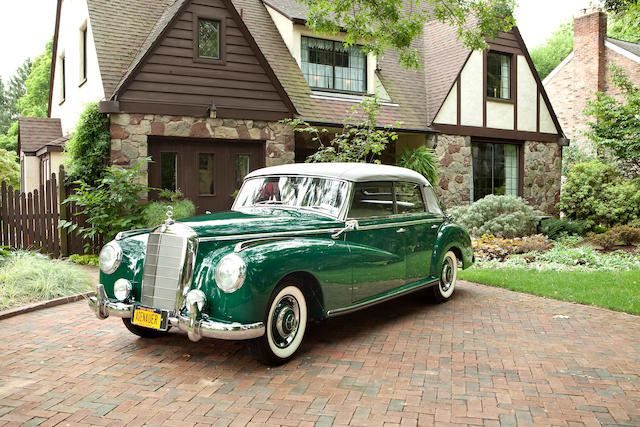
488	357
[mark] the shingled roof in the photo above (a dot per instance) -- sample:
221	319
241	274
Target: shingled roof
124	30
120	28
36	132
633	48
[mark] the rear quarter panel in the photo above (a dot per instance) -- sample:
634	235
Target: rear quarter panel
451	236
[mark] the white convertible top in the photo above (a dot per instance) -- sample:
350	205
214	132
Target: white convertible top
355	172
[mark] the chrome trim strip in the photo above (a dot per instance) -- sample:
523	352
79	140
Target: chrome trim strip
398	224
207	328
267	235
364	304
239	247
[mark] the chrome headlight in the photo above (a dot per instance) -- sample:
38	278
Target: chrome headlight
110	257
122	289
230	273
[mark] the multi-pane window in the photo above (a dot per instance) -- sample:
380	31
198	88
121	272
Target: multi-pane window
329	64
83	54
63	77
208	39
495	169
498	75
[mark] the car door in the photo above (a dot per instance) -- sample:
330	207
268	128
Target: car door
423	219
377	245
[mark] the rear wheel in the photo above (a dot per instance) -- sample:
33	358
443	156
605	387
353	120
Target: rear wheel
286	323
142	332
448	277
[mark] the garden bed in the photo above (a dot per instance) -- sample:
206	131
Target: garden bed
29	277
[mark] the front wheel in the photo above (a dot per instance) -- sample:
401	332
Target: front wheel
286	323
142	332
448	277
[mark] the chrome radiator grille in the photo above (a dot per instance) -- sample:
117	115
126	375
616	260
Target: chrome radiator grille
163	265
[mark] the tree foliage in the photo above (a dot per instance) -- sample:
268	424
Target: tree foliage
360	140
385	24
88	148
27	94
615	124
559	44
9	168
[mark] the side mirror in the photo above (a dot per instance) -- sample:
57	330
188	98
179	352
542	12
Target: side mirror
351	224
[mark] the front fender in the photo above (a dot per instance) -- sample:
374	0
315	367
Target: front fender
451	236
326	259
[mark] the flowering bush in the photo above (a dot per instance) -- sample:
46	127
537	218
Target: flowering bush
490	247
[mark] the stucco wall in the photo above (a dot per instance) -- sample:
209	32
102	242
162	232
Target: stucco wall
74	17
129	133
30	173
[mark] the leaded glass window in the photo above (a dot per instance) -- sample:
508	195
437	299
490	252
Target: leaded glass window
208	39
498	75
495	169
328	64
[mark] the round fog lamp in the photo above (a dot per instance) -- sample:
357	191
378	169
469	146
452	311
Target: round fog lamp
110	257
122	289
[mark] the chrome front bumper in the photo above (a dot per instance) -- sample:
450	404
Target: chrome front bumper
194	327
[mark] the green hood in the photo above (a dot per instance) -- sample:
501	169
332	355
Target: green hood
258	221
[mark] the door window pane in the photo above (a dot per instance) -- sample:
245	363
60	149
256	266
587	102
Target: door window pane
432	201
208	39
495	169
207	173
409	198
242	168
169	171
372	199
498	75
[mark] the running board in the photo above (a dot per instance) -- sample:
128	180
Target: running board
371	302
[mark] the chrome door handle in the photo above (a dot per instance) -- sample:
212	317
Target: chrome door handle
435	226
400	230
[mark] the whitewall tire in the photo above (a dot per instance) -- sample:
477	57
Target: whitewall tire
448	278
285	325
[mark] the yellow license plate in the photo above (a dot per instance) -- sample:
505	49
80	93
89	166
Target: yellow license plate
147	318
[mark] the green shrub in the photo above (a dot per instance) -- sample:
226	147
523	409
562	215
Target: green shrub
28	276
155	213
111	206
621	235
555	228
9	169
597	194
88	149
84	259
502	216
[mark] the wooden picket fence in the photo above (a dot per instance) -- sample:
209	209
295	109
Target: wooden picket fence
29	221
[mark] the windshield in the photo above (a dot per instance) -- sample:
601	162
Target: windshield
323	195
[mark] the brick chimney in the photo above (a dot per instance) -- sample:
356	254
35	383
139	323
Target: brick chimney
589	33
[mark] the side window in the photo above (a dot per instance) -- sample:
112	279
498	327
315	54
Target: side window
432	201
409	198
371	199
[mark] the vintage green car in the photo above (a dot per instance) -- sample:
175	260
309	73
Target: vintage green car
302	242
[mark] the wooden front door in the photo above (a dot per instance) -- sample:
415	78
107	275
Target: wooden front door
208	172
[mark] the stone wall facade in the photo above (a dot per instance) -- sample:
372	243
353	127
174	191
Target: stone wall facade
542	175
130	133
454	154
542	172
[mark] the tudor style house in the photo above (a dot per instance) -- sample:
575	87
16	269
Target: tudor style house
585	71
201	85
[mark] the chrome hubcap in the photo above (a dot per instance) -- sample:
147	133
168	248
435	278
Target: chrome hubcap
285	321
446	280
